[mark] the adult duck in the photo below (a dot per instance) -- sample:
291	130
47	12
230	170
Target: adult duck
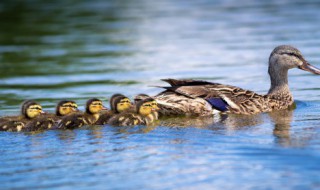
201	98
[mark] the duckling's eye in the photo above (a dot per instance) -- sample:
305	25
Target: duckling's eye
97	104
125	101
36	108
147	105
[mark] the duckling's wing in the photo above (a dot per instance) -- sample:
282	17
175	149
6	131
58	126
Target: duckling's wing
104	117
72	121
126	119
39	123
12	125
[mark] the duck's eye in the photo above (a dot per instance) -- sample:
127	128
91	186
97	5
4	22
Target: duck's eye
291	54
97	104
147	105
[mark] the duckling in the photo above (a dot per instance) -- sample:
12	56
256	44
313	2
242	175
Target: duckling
118	104
142	115
64	107
23	106
28	120
154	104
89	117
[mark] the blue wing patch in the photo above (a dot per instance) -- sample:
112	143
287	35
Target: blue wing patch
218	104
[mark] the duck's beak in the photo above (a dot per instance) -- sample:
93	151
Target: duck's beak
104	108
310	68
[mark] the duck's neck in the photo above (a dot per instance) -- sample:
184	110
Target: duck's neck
279	82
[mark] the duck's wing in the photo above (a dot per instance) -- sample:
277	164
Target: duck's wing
186	82
224	98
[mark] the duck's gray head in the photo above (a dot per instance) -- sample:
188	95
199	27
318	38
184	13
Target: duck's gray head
286	57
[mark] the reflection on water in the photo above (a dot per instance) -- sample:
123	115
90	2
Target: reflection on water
282	124
51	50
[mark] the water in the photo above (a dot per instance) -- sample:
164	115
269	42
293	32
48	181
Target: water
50	50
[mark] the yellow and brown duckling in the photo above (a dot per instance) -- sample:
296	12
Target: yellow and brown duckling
78	119
63	108
118	104
141	115
27	121
154	103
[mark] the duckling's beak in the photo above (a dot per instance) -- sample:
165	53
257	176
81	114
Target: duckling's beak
42	112
104	108
310	68
75	109
155	109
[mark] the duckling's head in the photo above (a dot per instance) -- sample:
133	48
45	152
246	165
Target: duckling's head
146	106
65	107
94	106
31	109
119	103
286	57
140	97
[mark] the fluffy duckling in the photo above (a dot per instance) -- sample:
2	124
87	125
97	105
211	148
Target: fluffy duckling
63	108
28	120
154	103
142	115
118	104
89	117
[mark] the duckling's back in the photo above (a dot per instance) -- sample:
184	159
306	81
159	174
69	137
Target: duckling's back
128	118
